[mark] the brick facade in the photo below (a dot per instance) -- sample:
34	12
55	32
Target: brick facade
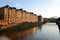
19	16
40	19
13	15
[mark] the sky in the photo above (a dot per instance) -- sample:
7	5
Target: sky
46	8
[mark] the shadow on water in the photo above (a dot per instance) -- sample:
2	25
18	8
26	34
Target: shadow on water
40	24
58	23
58	28
47	31
18	35
19	31
40	27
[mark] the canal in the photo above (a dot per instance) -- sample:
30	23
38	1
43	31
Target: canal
48	31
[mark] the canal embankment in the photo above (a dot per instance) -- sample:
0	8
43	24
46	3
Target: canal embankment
21	26
20	30
14	35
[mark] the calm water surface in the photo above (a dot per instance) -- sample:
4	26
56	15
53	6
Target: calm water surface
49	31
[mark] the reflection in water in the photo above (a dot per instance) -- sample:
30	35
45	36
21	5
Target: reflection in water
48	31
4	38
17	35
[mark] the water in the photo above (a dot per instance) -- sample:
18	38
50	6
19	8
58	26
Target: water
49	31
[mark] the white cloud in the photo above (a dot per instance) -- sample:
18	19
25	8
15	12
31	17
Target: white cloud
45	10
17	5
56	2
52	10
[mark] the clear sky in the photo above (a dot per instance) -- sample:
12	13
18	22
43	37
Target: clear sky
46	8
